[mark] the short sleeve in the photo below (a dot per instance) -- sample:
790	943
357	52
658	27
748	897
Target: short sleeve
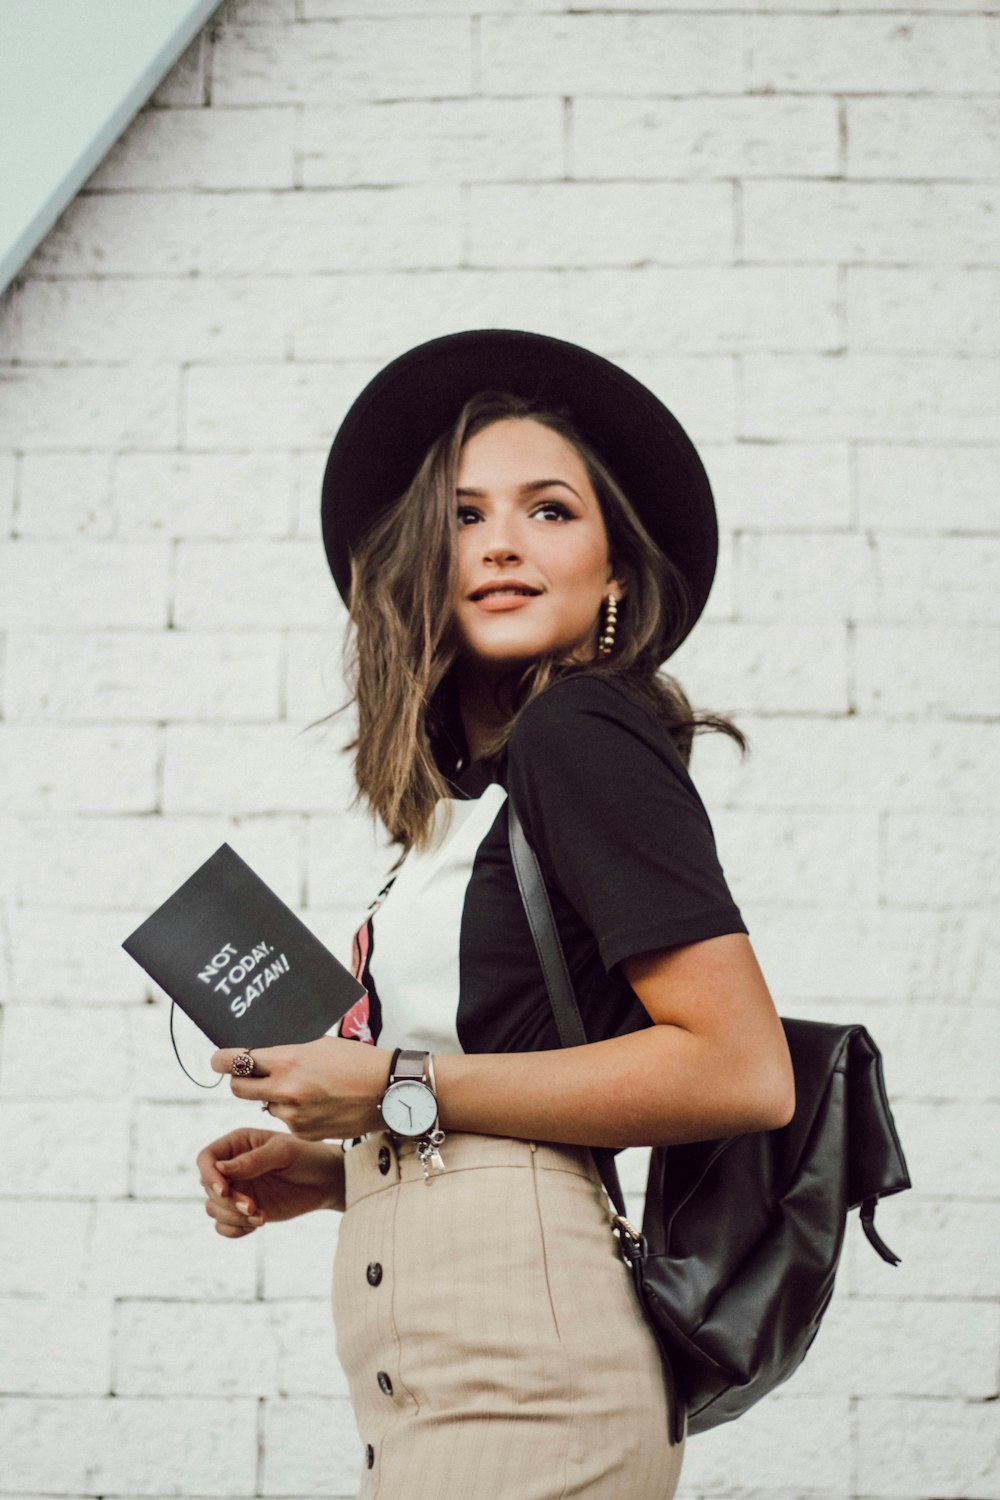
615	820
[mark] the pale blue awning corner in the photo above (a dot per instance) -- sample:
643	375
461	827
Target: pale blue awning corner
73	75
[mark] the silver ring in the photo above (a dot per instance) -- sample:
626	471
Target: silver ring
266	1106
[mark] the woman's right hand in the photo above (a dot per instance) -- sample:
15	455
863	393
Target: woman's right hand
252	1177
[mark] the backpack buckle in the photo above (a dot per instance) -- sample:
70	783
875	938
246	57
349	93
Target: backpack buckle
631	1241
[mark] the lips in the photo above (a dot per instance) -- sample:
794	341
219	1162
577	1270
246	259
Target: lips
504	590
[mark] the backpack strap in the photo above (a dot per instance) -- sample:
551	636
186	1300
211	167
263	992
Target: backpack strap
569	1022
867	1213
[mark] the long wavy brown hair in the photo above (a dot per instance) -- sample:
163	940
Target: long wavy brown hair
401	643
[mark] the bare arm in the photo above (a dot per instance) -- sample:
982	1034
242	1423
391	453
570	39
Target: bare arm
715	1063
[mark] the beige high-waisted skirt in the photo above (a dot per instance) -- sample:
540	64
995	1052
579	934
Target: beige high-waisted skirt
489	1331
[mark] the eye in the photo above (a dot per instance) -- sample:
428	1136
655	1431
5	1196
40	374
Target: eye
466	514
556	508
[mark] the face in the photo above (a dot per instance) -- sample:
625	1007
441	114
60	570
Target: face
533	564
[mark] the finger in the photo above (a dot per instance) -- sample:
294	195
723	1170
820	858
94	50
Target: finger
237	1215
251	1088
231	1232
215	1186
229	1217
276	1152
236	1208
232	1143
212	1180
222	1061
225	1147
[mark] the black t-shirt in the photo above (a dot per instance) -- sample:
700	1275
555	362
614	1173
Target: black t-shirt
629	859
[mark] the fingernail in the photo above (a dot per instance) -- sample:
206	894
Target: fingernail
243	1208
217	1188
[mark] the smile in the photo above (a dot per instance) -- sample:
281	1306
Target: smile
499	599
514	586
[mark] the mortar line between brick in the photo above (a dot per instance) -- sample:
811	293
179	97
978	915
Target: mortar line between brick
182	394
465	259
259	1475
209	37
15	509
840	308
283	667
475	56
842	138
739	248
853	1445
298	132
204	56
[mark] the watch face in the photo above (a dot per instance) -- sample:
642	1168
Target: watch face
409	1107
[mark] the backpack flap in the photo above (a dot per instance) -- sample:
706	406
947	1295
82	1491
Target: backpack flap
877	1166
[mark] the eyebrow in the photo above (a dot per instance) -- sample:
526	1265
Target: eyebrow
524	489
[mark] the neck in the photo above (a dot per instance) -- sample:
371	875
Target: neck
484	696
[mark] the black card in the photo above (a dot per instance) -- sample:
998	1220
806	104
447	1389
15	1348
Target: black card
240	962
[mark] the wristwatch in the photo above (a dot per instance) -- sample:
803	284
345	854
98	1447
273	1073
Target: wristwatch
409	1104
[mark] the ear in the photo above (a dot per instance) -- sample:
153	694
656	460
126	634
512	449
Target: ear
615	585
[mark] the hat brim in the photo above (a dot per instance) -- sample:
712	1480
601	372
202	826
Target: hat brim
418	396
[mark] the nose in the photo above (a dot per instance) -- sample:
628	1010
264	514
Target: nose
499	544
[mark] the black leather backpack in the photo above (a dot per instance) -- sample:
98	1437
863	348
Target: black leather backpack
741	1237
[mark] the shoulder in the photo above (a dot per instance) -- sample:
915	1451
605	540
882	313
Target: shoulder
620	831
575	712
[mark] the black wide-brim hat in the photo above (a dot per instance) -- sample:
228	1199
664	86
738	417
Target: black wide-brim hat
384	437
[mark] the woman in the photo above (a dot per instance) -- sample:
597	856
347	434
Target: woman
523	533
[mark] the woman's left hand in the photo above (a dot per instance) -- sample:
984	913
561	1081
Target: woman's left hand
329	1088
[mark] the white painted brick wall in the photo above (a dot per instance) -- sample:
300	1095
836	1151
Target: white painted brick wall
144	496
130	1447
186	1349
924	223
919	138
146	675
445	140
55	1345
604	54
783	217
588	224
724	137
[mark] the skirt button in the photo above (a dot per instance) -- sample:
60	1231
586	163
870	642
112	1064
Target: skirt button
374	1273
384	1160
385	1384
369	1456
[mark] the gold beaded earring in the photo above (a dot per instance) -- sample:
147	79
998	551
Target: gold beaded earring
607	640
